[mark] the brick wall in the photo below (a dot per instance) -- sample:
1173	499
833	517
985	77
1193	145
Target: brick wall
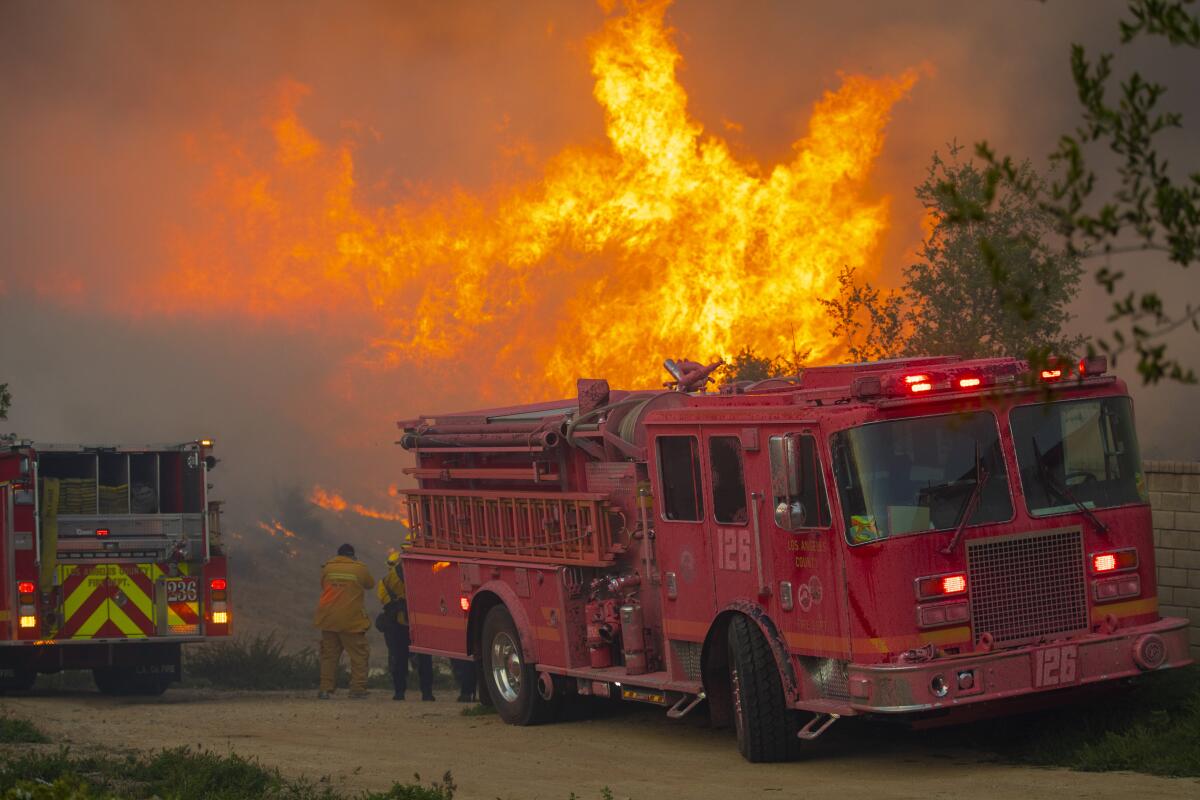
1175	497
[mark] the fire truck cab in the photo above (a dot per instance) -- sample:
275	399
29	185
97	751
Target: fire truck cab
928	537
110	559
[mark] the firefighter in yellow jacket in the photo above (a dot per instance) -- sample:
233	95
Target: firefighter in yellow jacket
394	598
342	620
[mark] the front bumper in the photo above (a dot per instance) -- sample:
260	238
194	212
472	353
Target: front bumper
946	683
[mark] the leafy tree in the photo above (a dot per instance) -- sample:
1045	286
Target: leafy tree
871	326
1148	208
988	285
5	400
748	365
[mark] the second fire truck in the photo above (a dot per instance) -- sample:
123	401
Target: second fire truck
920	538
110	560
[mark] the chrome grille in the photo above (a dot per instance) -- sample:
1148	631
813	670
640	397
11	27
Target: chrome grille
1023	588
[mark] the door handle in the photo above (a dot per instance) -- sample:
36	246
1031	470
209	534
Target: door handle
764	589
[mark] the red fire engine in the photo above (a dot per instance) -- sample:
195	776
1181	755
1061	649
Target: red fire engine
912	538
110	559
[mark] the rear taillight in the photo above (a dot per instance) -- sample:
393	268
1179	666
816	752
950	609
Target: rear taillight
219	601
1114	561
935	586
26	604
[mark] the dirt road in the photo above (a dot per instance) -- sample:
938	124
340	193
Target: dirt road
636	752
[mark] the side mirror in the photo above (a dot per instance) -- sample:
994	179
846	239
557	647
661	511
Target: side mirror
210	462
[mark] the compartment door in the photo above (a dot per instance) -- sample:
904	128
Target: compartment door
107	601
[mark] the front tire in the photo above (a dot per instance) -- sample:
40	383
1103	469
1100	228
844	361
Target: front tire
510	680
766	727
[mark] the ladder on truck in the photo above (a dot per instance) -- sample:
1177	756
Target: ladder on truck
553	527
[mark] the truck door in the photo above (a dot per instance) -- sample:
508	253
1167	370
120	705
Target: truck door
807	601
682	543
741	563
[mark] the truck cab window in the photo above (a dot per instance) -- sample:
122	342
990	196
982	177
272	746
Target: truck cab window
728	481
797	483
679	472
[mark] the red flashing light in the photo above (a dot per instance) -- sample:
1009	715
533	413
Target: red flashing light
102	532
1116	560
969	383
954	584
25	587
917	388
911	379
464	603
1051	374
218	584
936	586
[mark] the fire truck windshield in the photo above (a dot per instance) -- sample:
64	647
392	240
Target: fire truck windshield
1078	454
918	475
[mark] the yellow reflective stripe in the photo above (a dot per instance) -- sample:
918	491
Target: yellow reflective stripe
88	629
341	576
125	625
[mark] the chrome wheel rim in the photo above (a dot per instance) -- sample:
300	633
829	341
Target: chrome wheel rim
507	667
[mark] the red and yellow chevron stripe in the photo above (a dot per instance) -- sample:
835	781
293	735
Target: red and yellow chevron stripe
118	601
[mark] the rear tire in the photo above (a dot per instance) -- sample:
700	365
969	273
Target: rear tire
120	682
766	727
510	680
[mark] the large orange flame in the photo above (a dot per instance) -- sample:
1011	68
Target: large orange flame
333	501
661	243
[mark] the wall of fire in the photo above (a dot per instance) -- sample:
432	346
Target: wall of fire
1175	498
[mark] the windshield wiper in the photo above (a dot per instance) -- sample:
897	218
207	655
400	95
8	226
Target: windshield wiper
1043	473
969	504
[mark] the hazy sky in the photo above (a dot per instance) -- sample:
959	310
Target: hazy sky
105	106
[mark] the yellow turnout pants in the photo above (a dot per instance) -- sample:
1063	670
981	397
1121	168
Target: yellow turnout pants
355	645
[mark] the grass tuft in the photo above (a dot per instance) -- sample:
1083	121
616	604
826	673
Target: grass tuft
15	730
478	710
179	774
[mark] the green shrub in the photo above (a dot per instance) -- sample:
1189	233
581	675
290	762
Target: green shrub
258	662
14	729
179	774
